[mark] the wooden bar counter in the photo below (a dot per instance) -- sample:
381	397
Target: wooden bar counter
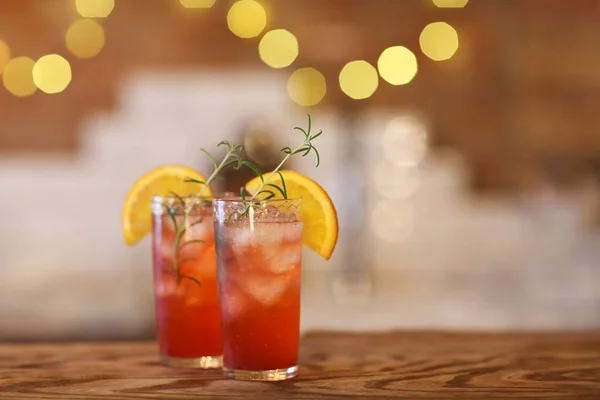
335	365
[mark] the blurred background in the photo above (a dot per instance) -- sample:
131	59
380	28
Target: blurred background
461	146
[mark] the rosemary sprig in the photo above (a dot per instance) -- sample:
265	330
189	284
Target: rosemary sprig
268	190
231	158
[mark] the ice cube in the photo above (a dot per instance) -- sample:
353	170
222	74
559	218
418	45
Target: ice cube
266	234
201	230
193	299
286	260
165	287
165	250
291	232
266	289
232	302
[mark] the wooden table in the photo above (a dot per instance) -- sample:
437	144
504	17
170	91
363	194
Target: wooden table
413	365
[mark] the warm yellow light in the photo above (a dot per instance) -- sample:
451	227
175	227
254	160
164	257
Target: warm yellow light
52	73
450	3
397	65
197	3
18	77
307	87
358	79
85	38
439	41
278	48
246	18
4	55
94	8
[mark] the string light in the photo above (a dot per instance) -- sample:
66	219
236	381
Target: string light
439	41
52	73
4	55
397	65
85	38
18	78
306	87
197	3
359	80
246	19
278	48
94	8
450	3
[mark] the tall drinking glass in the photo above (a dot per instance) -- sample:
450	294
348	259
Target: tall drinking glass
259	257
185	282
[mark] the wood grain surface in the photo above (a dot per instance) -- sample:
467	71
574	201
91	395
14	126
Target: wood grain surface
416	365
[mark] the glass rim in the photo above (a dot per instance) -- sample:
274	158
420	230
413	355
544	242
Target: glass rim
238	199
160	199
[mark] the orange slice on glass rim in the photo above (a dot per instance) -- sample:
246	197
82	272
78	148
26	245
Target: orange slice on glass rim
136	217
320	223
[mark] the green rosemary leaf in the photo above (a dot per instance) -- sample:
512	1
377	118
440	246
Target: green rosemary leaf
270	194
181	201
301	130
317	154
242	194
190	180
198	221
230	163
226	143
190	242
280	190
172	269
191	278
299	150
307	150
255	169
303	149
214	161
285	196
316	135
171	213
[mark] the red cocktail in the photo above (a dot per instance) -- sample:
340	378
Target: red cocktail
187	306
259	260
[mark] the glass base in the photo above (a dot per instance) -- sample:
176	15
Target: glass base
268	375
206	362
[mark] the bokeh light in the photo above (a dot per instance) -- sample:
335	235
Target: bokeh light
404	141
395	182
307	86
359	79
278	48
397	65
197	3
393	221
94	8
439	41
52	73
450	3
85	38
4	55
18	76
246	18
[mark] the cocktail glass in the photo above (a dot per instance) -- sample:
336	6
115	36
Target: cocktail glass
185	282
259	257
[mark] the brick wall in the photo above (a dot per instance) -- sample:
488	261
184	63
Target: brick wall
518	100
